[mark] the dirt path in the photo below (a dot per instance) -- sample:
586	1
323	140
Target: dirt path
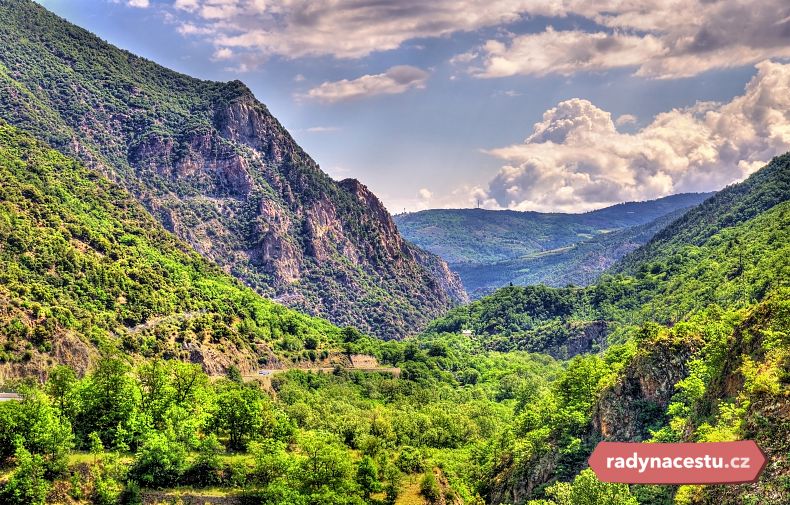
268	372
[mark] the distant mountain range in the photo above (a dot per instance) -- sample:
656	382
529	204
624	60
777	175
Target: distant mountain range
490	249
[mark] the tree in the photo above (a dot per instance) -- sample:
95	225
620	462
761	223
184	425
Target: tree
367	477
109	403
157	392
429	488
27	485
272	462
95	445
410	460
241	415
326	463
60	384
392	482
351	334
586	489
35	424
187	379
159	461
207	468
234	374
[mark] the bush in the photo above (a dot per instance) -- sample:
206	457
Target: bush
27	485
159	462
429	488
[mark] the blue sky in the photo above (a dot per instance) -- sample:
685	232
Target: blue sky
537	105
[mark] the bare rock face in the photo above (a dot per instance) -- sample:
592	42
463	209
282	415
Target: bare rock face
270	216
627	410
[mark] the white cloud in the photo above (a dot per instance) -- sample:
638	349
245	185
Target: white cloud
187	5
424	194
575	159
341	28
660	39
191	29
626	119
565	52
398	79
141	4
223	53
322	129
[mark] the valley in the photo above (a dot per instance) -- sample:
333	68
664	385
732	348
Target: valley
192	311
492	249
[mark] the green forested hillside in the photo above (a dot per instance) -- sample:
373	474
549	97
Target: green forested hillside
692	346
147	374
696	334
729	207
579	264
84	266
732	265
490	249
129	329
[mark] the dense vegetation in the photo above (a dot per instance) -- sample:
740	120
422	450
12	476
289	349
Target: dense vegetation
318	438
136	358
219	171
84	266
732	267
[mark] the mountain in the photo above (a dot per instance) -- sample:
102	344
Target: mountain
210	163
85	268
686	340
490	249
578	264
729	251
729	207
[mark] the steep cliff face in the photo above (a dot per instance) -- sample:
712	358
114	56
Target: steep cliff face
216	168
638	401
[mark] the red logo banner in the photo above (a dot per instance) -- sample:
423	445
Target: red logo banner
682	463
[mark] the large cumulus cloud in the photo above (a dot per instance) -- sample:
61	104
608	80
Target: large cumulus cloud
575	159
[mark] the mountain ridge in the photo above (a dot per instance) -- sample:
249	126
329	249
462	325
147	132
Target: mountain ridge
490	249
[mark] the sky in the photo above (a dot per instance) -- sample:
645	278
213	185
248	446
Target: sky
547	105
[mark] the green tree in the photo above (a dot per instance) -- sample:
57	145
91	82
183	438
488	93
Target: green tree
109	400
159	461
429	488
272	462
326	463
234	374
157	392
60	384
27	485
586	489
241	415
35	424
368	477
